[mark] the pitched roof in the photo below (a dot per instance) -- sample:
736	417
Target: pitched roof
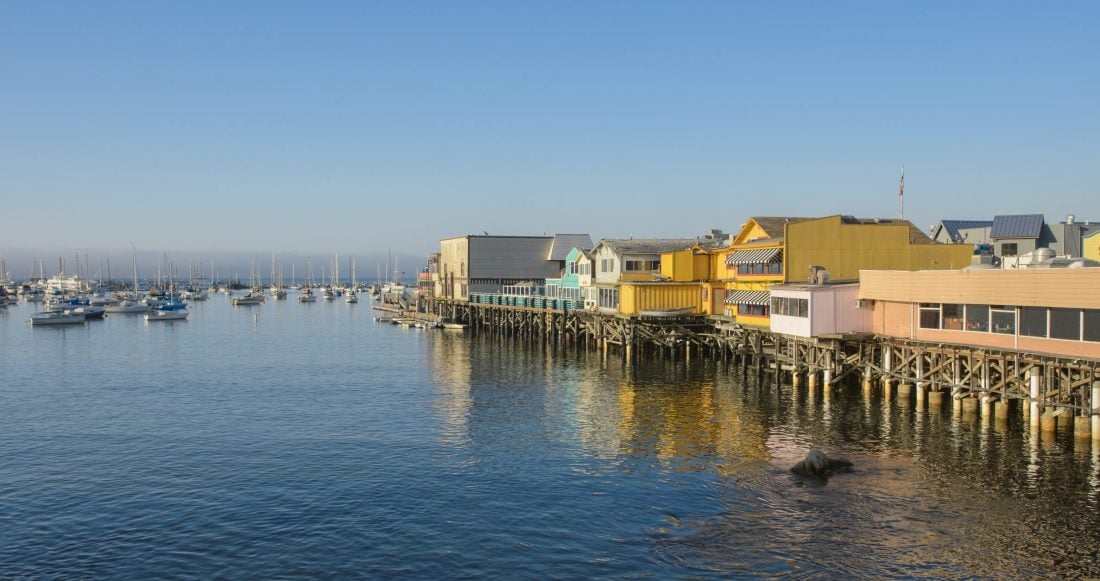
916	235
648	245
953	226
1019	226
773	225
564	243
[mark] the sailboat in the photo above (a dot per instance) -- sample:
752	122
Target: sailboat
255	295
352	295
278	291
131	302
307	295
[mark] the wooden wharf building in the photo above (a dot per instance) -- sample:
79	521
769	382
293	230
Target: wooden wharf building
986	342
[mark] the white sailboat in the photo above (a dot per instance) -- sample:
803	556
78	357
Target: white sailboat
307	295
351	296
130	302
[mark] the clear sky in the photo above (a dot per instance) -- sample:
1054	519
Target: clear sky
363	125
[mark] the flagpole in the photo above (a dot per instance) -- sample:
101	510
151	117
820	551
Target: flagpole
901	194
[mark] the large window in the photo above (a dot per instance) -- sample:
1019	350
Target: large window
929	316
790	307
977	317
952	317
1065	324
1008	249
1033	321
1002	319
1092	325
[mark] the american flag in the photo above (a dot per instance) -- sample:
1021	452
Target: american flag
901	185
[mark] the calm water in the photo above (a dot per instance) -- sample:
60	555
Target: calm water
304	440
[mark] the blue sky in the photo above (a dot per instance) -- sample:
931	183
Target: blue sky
359	126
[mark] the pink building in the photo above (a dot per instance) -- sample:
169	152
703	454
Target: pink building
1042	310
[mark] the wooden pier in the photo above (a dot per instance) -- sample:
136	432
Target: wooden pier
1050	391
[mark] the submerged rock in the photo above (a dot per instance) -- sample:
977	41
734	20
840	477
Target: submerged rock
819	465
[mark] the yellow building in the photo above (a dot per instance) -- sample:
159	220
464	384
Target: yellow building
776	250
684	284
1090	247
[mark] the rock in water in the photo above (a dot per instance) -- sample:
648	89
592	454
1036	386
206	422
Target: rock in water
819	465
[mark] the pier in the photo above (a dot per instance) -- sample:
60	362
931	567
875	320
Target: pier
1051	392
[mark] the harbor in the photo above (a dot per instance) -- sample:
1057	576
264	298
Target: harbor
660	466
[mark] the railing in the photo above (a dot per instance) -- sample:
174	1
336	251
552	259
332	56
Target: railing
531	302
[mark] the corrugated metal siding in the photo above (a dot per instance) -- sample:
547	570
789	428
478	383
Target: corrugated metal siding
1040	287
838	311
1091	247
636	298
700	267
845	249
822	313
511	257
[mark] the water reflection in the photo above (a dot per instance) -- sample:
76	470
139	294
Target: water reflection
938	490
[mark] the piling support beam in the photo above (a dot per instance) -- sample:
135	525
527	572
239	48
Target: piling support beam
1096	411
1033	399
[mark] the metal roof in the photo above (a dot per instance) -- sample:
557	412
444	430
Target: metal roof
953	226
1019	226
764	255
564	243
747	298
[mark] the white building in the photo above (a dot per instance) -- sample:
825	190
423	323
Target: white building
814	310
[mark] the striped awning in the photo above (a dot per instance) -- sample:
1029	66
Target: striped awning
755	256
748	297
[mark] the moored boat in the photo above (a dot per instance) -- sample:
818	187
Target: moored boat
252	298
171	310
56	318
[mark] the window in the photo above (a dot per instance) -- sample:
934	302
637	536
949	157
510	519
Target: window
1065	324
1092	325
463	290
977	317
760	268
1002	319
640	265
1033	321
790	307
1008	249
573	268
753	310
952	317
609	298
929	316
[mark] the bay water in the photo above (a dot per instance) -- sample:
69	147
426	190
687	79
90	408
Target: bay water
291	440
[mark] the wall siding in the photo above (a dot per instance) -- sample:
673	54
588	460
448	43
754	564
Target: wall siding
1036	287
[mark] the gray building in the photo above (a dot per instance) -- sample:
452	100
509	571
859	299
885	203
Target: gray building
960	231
485	264
1010	236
